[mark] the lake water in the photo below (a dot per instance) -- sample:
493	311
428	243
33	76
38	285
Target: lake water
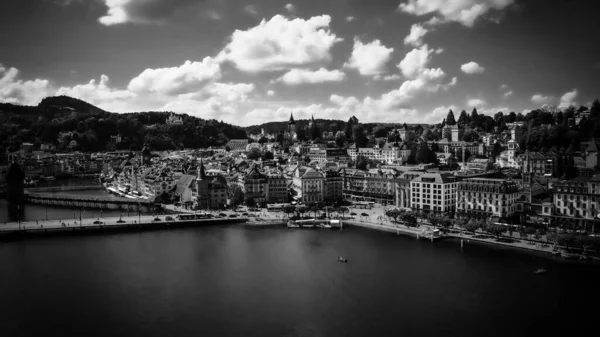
240	281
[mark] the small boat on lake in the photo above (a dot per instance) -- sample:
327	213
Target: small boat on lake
540	271
342	259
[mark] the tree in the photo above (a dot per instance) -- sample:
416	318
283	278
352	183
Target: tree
254	154
340	139
472	225
409	220
267	155
380	131
424	154
450	118
359	137
495	229
463	119
314	131
235	194
595	109
362	162
289	209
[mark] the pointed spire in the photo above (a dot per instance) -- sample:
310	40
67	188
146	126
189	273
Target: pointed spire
201	171
291	119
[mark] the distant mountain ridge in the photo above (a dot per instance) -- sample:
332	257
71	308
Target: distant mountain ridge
60	119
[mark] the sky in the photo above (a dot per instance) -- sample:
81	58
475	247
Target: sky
252	61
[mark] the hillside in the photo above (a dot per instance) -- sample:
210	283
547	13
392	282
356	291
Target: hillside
59	120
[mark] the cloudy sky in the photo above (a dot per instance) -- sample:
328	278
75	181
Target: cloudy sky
252	61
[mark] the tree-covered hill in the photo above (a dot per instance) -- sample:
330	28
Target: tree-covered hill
59	120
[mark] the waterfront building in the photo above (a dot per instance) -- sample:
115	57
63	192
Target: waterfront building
333	186
577	199
255	186
210	191
277	191
308	184
487	197
403	194
434	192
365	186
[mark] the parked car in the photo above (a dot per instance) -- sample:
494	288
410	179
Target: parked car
245	214
98	222
222	214
233	215
120	221
169	218
157	219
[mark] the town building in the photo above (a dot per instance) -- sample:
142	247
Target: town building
577	199
434	192
173	119
487	197
211	191
308	184
333	186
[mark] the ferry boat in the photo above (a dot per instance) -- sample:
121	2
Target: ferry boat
314	223
342	259
540	271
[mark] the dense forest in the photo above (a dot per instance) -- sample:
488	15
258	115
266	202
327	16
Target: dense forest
59	120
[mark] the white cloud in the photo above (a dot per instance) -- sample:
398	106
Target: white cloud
508	93
439	113
99	94
472	68
475	102
453	82
142	11
465	12
250	9
504	86
218	100
415	61
541	99
350	18
13	90
369	58
290	8
213	15
270	93
176	80
415	37
568	99
281	43
393	77
302	76
439	50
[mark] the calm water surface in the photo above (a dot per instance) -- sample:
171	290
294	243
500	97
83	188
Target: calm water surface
236	281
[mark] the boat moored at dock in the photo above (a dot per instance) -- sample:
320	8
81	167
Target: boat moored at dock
314	223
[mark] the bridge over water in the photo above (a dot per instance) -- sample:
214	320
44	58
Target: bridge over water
83	201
